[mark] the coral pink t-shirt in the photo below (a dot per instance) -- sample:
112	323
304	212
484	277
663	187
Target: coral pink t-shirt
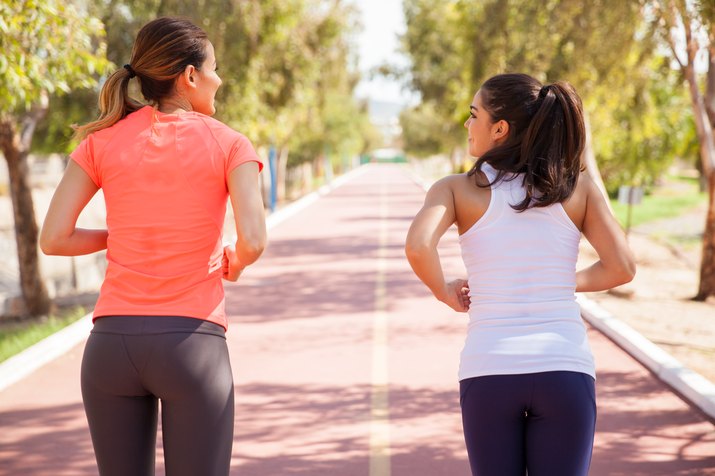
164	178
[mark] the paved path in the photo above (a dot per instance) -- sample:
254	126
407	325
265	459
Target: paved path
345	366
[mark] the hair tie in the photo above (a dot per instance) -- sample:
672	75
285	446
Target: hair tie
544	91
131	71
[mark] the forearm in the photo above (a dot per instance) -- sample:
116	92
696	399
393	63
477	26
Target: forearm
80	242
599	277
428	268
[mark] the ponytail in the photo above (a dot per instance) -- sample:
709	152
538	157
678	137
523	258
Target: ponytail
114	103
552	146
162	50
546	137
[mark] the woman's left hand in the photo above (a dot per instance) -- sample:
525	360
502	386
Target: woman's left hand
231	266
457	296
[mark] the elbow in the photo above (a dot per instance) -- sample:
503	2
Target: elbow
415	250
629	271
626	272
254	251
48	243
251	248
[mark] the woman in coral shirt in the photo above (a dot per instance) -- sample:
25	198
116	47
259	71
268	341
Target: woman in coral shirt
166	170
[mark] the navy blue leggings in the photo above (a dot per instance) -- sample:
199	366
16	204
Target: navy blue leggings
540	423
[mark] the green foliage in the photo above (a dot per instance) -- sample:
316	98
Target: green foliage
16	337
641	128
425	133
607	49
48	47
436	42
54	133
666	202
284	64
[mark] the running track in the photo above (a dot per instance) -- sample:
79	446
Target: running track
344	365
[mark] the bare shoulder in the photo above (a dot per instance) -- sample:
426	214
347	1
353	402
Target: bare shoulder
471	198
446	185
462	182
448	181
575	206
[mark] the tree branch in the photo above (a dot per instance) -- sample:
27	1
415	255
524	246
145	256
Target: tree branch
667	18
29	121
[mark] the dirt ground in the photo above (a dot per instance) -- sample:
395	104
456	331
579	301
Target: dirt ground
657	302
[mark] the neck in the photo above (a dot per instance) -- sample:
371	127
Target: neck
174	105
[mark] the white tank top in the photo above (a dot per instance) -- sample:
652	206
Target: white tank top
523	316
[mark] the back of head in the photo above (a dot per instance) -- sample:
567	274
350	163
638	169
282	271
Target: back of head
162	50
546	136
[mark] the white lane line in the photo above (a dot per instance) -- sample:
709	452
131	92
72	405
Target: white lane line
379	413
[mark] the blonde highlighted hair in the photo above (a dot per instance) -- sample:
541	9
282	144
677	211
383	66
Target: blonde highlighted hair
162	50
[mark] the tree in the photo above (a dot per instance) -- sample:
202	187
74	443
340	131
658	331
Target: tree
454	46
606	48
49	47
425	133
436	41
279	60
690	24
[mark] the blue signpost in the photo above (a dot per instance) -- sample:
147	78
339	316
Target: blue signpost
273	167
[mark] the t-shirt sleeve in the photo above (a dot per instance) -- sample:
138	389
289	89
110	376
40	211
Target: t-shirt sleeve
241	151
84	156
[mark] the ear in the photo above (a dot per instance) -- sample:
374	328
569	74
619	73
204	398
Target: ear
500	130
188	77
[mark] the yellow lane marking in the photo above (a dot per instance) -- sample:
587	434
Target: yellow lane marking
379	414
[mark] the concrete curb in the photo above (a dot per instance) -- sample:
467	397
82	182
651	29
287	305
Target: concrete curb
23	364
692	386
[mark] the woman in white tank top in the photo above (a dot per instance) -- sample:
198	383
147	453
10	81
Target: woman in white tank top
526	371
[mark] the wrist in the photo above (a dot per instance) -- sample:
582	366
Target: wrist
441	293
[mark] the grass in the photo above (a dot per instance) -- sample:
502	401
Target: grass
16	336
671	200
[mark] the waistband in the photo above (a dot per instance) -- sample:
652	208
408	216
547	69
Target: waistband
152	325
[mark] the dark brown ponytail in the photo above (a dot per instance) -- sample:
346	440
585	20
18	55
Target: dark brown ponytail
546	136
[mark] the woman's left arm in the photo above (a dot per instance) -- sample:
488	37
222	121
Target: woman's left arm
60	235
430	224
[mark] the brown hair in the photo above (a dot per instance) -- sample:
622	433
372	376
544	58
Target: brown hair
162	50
546	136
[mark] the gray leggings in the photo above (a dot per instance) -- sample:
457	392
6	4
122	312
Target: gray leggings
132	362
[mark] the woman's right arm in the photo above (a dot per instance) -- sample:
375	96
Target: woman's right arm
430	223
250	219
59	234
616	264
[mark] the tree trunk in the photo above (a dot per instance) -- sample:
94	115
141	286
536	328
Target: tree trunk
15	146
707	264
710	86
704	129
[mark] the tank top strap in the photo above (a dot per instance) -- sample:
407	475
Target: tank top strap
489	171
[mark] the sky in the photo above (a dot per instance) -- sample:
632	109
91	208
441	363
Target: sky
378	43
